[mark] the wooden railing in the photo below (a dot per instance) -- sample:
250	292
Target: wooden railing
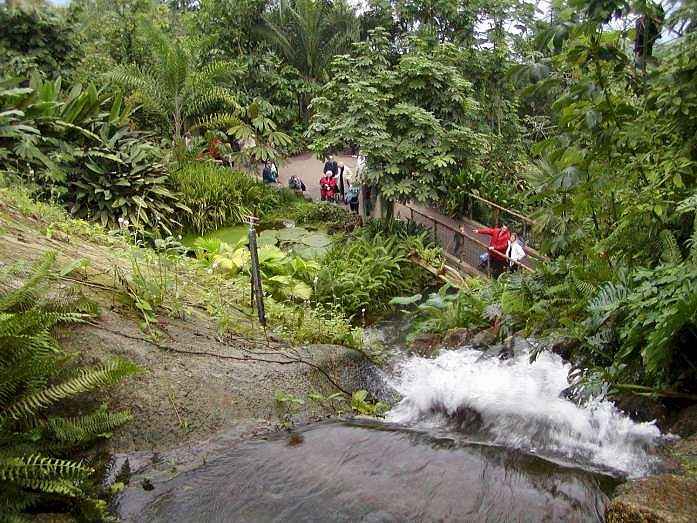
467	239
526	224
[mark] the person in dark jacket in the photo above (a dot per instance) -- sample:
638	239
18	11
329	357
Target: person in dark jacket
296	184
331	165
458	238
268	174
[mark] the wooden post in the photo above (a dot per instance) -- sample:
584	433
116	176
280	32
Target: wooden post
256	273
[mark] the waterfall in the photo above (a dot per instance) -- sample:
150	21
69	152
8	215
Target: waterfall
518	404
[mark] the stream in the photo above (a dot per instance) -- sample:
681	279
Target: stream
471	437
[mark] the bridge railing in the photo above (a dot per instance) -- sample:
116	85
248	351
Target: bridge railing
522	224
471	247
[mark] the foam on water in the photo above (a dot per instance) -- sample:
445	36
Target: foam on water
518	404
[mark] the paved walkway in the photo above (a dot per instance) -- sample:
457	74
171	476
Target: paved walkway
309	169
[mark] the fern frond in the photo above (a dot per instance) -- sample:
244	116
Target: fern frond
107	374
586	289
692	242
63	487
13	500
670	252
26	295
40	468
33	377
215	71
209	97
86	428
217	121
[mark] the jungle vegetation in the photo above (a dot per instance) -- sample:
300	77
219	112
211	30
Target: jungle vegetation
149	117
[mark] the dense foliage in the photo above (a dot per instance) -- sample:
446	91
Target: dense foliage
37	438
581	112
363	272
35	40
613	184
220	197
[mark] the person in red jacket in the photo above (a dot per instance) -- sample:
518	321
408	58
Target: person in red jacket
498	244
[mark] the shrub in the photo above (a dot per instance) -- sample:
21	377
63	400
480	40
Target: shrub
35	39
303	324
360	273
123	179
35	440
302	212
218	196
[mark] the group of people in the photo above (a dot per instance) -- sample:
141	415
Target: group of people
336	184
270	175
505	249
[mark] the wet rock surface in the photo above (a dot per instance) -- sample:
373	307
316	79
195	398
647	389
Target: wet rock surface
642	408
359	471
685	423
181	397
663	498
455	338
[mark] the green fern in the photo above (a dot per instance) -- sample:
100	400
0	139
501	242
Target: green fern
670	252
35	448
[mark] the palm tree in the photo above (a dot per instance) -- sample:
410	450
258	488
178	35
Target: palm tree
175	87
308	34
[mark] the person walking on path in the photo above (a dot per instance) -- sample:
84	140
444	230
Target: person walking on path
268	175
331	165
498	245
296	184
352	197
345	179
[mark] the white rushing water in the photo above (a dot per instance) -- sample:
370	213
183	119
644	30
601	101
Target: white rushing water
520	407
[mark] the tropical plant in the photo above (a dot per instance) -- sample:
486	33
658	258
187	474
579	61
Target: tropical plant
318	214
411	119
362	405
308	244
36	441
307	323
178	87
447	309
286	276
74	144
361	275
35	38
308	34
44	124
287	405
123	180
218	196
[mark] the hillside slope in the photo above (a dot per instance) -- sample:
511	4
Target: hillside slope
207	363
